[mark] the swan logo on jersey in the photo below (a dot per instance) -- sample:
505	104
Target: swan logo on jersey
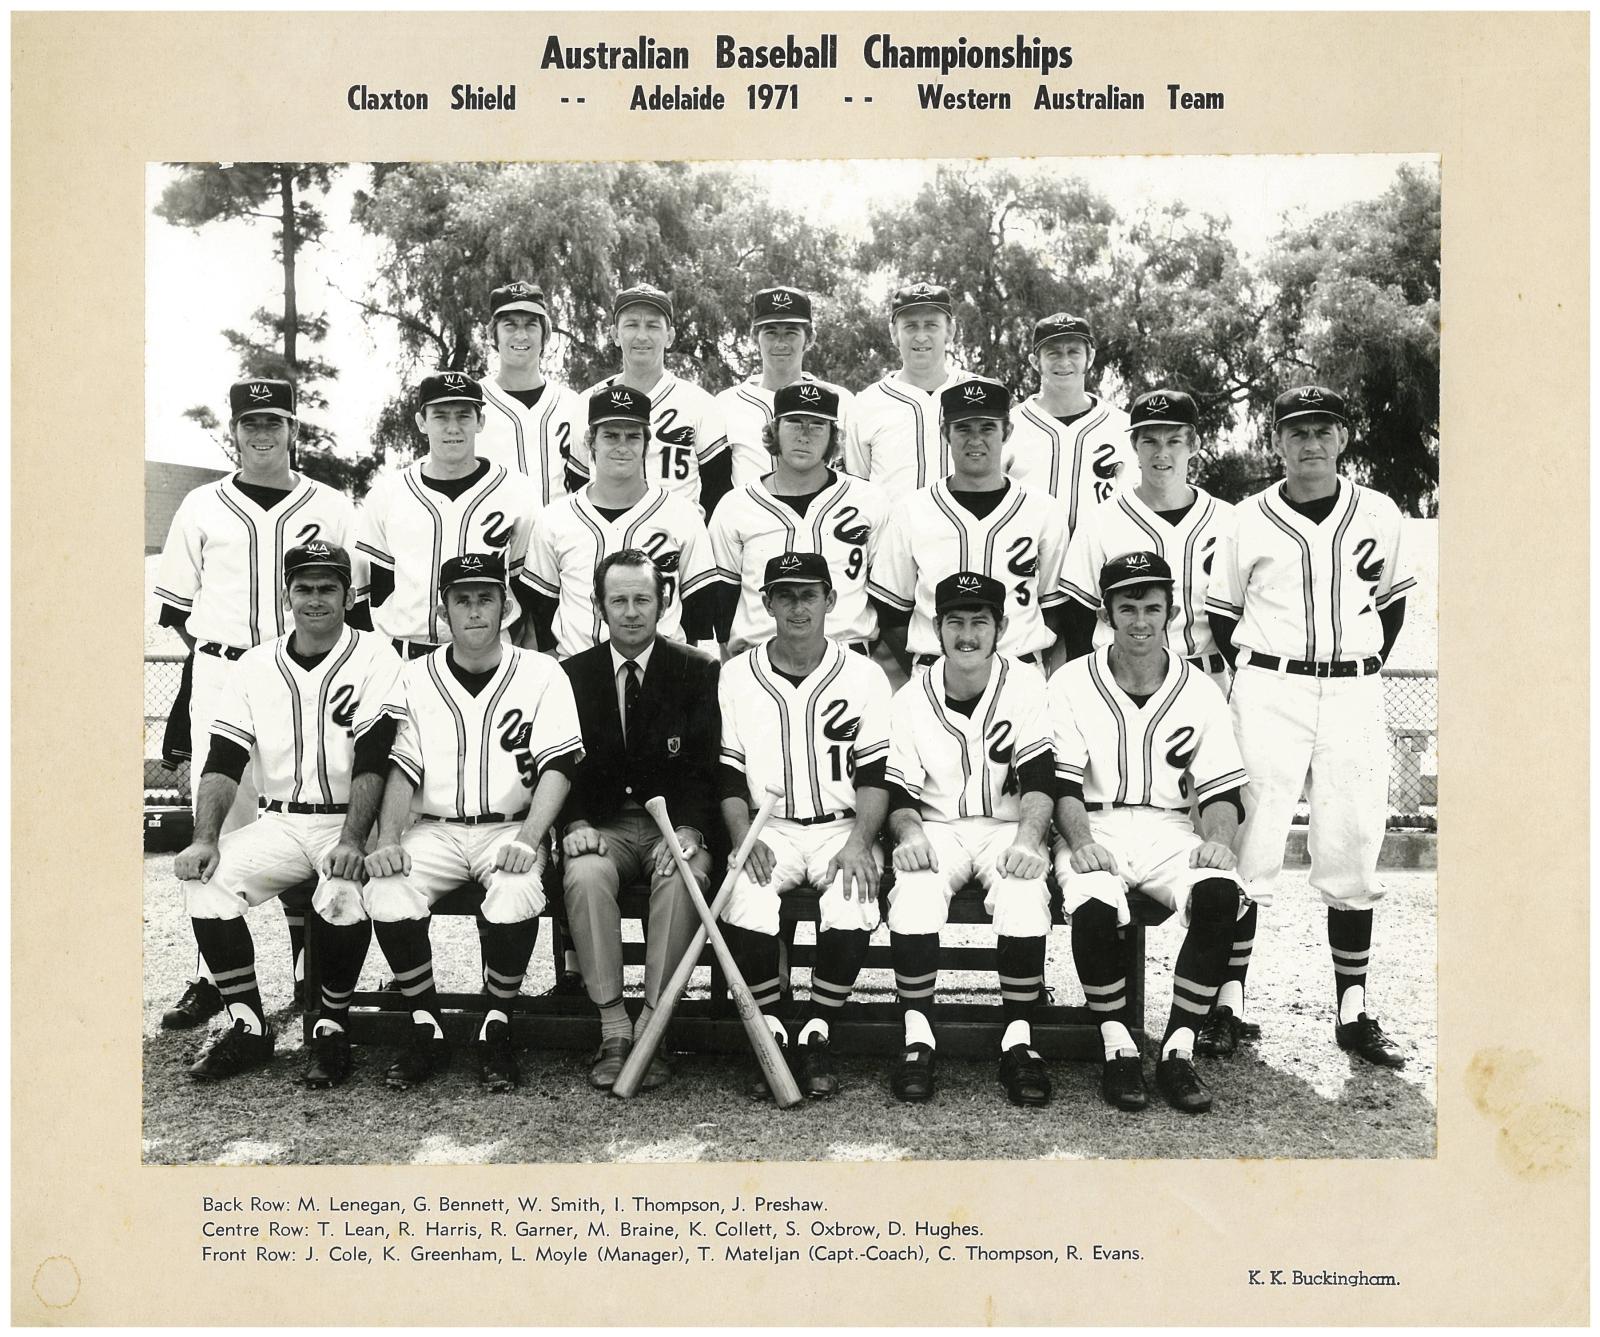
260	393
835	726
515	732
497	529
677	436
847	531
309	532
1024	560
1180	754
1001	748
1209	549
344	705
1105	463
1369	566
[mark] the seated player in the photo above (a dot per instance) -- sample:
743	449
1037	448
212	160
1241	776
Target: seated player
971	780
484	757
801	714
312	706
1139	732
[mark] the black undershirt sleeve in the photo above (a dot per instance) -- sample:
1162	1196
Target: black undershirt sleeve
566	764
732	783
725	597
380	586
1077	629
1393	618
360	617
1233	796
575	482
1222	629
372	748
891	616
716	480
1069	789
1037	775
898	798
700	612
226	758
542	609
172	617
874	775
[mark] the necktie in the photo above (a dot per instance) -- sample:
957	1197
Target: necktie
630	698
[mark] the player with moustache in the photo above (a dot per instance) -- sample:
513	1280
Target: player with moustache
782	327
802	714
1140	736
971	783
1307	598
648	710
483	759
799	505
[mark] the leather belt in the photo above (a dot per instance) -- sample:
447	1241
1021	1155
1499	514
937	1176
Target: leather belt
482	819
1317	668
218	651
824	817
315	809
1032	657
1102	807
414	649
1213	663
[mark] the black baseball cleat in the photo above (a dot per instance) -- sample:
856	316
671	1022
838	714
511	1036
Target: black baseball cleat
1365	1039
1219	1034
424	1055
569	984
817	1077
1122	1082
328	1060
1181	1085
298	1002
497	1059
1023	1074
912	1077
231	1052
200	1002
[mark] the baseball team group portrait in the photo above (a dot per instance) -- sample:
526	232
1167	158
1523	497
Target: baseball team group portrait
787	661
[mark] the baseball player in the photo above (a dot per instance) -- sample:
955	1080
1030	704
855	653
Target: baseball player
1163	514
801	714
221	586
893	437
801	505
532	424
484	757
1066	441
1140	734
977	519
971	778
1307	598
621	508
782	328
688	449
312	706
448	503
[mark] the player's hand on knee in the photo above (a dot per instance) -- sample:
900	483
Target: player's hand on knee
583	840
1020	861
1092	858
516	857
344	860
855	865
388	861
915	855
759	863
197	862
1213	854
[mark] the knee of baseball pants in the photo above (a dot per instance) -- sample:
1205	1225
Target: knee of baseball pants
920	902
1077	889
514	898
837	913
1019	906
388	900
753	906
337	900
1214	904
219	898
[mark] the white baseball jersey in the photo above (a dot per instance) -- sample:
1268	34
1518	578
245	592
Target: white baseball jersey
686	433
1310	591
809	740
302	724
572	538
537	441
409	529
893	436
1080	463
472	755
1176	747
1022	543
958	766
1125	524
223	561
747	408
844	522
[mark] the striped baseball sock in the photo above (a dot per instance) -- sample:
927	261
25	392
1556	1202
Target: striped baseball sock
341	952
507	949
230	955
1097	955
1197	972
1350	942
840	955
1231	994
1020	962
295	917
410	956
756	955
916	976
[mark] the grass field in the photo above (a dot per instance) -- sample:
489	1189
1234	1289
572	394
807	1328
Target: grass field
1294	1094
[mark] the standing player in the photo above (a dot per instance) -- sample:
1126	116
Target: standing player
312	707
971	778
1139	735
801	714
893	437
484	757
445	505
1310	597
221	586
782	328
979	520
800	506
1067	441
621	508
688	452
1164	514
531	424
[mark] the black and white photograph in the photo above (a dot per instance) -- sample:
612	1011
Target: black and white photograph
925	659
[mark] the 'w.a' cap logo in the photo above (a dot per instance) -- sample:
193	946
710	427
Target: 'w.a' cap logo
922	290
455	380
471	562
790	561
520	289
621	398
973	393
782	299
1311	395
1156	403
967	582
260	391
809	393
317	549
1135	560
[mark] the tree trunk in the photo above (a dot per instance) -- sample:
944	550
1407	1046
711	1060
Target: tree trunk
289	238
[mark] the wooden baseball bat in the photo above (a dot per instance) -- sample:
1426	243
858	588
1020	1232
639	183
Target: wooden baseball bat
780	1081
644	1049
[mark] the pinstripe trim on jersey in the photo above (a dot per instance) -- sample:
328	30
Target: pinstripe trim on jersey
939	494
998	682
510	664
177	601
432	661
376	554
922	432
1216	604
1055	432
877	591
996	524
566	745
1082	596
281	659
1307	591
755	401
937	707
1339	531
1149	748
812	772
1067	771
491	397
278	546
895	777
234	732
1190	546
827	501
1397	592
732	756
596	525
1223	783
1123	758
1080	431
487	487
418	491
322	716
771	689
408	768
253	580
1150	530
784	515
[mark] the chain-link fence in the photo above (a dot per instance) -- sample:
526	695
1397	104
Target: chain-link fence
163	788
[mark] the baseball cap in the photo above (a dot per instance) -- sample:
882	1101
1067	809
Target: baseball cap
317	553
921	294
805	399
619	403
1059	326
1134	568
1305	400
975	397
445	387
259	395
483	568
797	568
771	305
1164	408
518	296
968	589
643	294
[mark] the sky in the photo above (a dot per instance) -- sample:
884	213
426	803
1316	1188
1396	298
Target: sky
199	283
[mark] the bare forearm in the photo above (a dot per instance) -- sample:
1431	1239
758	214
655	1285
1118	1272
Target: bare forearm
548	796
872	806
366	797
211	807
1072	819
904	823
395	808
1034	827
1219	822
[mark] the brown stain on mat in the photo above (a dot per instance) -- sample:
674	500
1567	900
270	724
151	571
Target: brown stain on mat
1539	1134
56	1282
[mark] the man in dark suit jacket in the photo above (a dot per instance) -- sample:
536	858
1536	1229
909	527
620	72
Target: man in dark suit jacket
651	725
